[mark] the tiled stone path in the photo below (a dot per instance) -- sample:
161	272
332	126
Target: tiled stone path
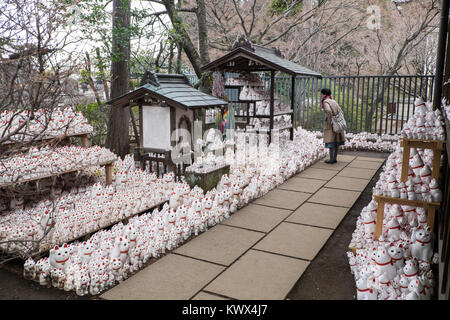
263	249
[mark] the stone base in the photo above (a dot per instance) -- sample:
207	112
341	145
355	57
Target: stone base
206	181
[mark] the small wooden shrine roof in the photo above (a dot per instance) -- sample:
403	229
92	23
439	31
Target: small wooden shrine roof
173	89
245	56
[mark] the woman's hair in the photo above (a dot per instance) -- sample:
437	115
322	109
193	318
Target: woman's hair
326	91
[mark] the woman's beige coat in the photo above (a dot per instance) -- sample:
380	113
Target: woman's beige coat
331	107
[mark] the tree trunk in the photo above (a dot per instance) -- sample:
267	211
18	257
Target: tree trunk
185	40
202	32
118	126
179	56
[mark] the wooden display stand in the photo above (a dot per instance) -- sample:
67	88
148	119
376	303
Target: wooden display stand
107	165
382	200
436	145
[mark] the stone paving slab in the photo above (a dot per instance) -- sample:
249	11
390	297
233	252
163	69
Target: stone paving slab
357	173
372	159
172	277
365	164
302	184
347	183
259	276
295	240
207	296
318	215
283	199
344	158
221	244
335	166
321	174
256	217
335	197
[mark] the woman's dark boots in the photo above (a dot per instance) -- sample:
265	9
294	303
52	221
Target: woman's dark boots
336	150
333	155
331	160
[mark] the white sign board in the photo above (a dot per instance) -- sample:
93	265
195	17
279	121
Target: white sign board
156	127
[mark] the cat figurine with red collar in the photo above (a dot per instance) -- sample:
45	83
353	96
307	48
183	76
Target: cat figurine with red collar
60	257
364	291
121	249
86	251
116	269
29	269
368	218
131	234
385	269
410	270
421	243
397	254
415	288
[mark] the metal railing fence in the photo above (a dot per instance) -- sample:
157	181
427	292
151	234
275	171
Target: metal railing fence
375	104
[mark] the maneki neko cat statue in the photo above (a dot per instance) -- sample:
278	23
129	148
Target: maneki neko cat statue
397	254
86	250
369	220
415	288
29	269
364	291
421	243
393	229
60	257
385	269
121	249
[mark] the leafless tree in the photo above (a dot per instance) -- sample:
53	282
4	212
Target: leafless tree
36	77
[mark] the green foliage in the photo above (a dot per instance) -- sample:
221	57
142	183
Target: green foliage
312	116
277	7
97	117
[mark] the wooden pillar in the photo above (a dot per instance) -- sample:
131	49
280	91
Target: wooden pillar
292	107
436	161
133	122
272	89
446	88
380	215
85	140
108	174
405	161
430	217
141	127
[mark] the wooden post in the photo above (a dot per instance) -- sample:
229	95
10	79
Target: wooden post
380	216
133	122
405	161
292	108
108	174
85	140
272	89
141	127
436	161
430	216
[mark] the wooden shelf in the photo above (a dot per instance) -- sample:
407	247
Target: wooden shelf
436	145
382	200
106	164
87	235
84	139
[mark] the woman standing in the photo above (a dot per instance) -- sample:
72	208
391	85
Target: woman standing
331	139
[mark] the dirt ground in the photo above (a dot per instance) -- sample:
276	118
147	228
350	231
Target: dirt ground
327	277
